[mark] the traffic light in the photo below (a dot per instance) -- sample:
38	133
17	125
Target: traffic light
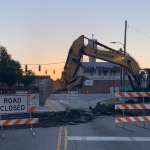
39	67
45	71
26	68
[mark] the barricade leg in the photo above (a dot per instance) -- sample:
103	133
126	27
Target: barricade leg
3	135
143	115
32	127
143	126
2	130
31	117
124	127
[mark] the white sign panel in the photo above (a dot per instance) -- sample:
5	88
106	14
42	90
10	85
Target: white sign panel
88	82
13	104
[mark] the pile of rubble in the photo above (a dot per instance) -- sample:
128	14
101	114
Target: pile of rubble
70	116
52	119
104	109
109	109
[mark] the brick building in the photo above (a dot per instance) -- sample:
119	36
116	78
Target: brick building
5	89
101	77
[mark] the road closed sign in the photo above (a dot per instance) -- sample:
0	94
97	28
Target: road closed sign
13	104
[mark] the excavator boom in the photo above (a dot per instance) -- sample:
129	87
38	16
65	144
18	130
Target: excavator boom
69	77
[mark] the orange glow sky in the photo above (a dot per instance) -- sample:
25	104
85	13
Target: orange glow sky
42	31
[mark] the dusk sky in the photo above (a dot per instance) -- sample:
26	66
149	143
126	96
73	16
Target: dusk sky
42	31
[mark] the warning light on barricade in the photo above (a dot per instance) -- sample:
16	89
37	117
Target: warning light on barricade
39	67
26	68
45	71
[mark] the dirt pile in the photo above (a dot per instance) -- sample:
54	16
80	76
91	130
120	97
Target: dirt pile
109	109
104	109
51	119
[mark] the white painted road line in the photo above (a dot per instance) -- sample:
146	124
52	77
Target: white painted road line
107	138
61	101
57	101
46	110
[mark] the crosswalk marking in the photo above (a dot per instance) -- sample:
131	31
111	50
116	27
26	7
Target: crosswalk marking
109	138
57	101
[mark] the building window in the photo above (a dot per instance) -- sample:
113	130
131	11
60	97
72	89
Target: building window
112	73
100	72
105	73
92	73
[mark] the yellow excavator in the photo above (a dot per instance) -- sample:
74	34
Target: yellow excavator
140	77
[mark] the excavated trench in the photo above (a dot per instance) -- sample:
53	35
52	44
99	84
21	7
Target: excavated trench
68	117
51	119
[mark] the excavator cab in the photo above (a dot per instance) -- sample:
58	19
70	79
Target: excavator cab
144	80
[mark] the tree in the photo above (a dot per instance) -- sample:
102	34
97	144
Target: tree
10	70
27	78
14	73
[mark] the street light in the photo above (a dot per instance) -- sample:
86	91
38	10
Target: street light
117	42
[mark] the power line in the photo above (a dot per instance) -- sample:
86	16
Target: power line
44	64
139	31
48	63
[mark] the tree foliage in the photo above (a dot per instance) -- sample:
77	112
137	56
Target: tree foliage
10	70
27	78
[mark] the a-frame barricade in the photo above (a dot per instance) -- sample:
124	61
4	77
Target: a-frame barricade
16	104
124	107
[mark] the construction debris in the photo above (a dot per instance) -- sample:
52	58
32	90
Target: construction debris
70	116
52	119
109	109
103	109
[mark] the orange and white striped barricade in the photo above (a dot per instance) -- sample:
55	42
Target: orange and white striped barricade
33	96
132	106
17	122
20	121
16	104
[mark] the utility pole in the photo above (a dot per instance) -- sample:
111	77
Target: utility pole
125	36
124	71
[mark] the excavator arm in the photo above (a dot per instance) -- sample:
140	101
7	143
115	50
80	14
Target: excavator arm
116	57
69	77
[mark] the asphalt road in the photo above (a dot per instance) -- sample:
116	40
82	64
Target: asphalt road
59	102
99	134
